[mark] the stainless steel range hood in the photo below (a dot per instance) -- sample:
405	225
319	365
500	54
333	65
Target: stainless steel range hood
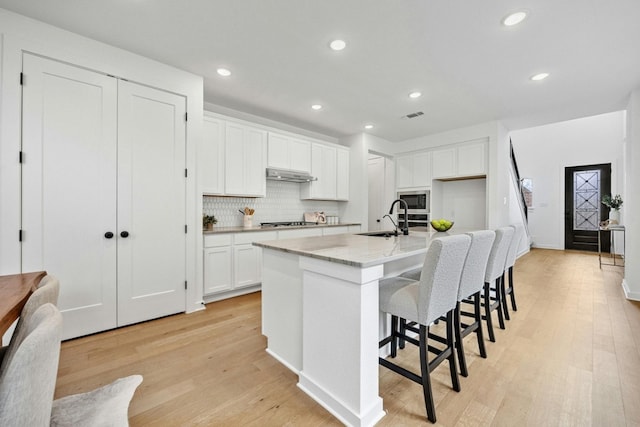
289	176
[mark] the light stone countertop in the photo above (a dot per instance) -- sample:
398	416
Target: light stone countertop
356	250
240	229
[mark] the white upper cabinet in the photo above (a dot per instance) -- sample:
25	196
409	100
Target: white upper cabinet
235	155
278	152
212	156
444	163
300	155
472	160
324	168
245	160
459	162
342	173
289	153
413	170
233	159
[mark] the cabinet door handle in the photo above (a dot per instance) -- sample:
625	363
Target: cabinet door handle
124	234
108	235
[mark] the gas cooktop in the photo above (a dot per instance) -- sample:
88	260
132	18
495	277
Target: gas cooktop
287	224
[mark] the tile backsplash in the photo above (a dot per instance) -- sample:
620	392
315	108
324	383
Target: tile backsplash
281	204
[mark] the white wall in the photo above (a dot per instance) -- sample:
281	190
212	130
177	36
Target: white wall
282	203
542	154
20	34
456	202
631	207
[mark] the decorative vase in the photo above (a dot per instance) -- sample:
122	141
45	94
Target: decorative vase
614	216
209	227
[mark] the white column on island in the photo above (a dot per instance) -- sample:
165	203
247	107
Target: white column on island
340	341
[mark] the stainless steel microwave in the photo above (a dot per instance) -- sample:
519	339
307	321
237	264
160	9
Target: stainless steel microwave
418	202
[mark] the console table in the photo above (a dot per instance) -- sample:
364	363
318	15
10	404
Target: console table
15	290
613	256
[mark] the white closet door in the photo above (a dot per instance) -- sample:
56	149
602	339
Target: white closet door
69	188
151	203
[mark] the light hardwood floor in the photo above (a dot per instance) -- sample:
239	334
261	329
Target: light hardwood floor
569	356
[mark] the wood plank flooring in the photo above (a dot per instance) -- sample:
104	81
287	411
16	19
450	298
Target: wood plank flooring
570	356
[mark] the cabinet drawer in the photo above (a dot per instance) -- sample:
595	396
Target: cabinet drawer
299	232
334	230
254	236
213	240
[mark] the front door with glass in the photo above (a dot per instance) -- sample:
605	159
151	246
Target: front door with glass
584	188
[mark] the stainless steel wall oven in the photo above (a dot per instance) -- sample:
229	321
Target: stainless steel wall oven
419	203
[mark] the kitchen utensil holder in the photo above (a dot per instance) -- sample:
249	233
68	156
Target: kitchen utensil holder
247	221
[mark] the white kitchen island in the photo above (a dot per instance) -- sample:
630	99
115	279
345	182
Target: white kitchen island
321	318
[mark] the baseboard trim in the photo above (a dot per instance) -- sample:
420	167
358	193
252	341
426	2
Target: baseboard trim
283	361
633	296
346	415
233	293
547	247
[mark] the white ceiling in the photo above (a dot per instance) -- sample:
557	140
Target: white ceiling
469	67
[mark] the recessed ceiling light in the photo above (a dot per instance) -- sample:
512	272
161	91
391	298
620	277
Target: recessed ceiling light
338	44
223	72
514	18
316	107
415	95
539	76
368	126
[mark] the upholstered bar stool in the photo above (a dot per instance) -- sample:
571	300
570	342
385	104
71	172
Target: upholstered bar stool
518	233
423	302
28	378
493	275
47	292
469	292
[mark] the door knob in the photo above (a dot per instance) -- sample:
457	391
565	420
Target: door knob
124	234
108	235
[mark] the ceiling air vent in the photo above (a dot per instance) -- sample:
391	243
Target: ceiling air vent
414	115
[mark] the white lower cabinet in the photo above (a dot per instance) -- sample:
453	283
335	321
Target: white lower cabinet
231	262
247	259
233	266
217	263
246	265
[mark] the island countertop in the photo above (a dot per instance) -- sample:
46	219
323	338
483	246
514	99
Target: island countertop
241	229
356	250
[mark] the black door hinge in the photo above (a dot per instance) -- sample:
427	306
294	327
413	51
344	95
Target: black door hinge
185	229
21	79
21	157
20	235
185	284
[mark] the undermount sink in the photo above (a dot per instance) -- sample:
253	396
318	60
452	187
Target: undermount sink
379	234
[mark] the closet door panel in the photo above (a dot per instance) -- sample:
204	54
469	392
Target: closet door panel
151	203
69	188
